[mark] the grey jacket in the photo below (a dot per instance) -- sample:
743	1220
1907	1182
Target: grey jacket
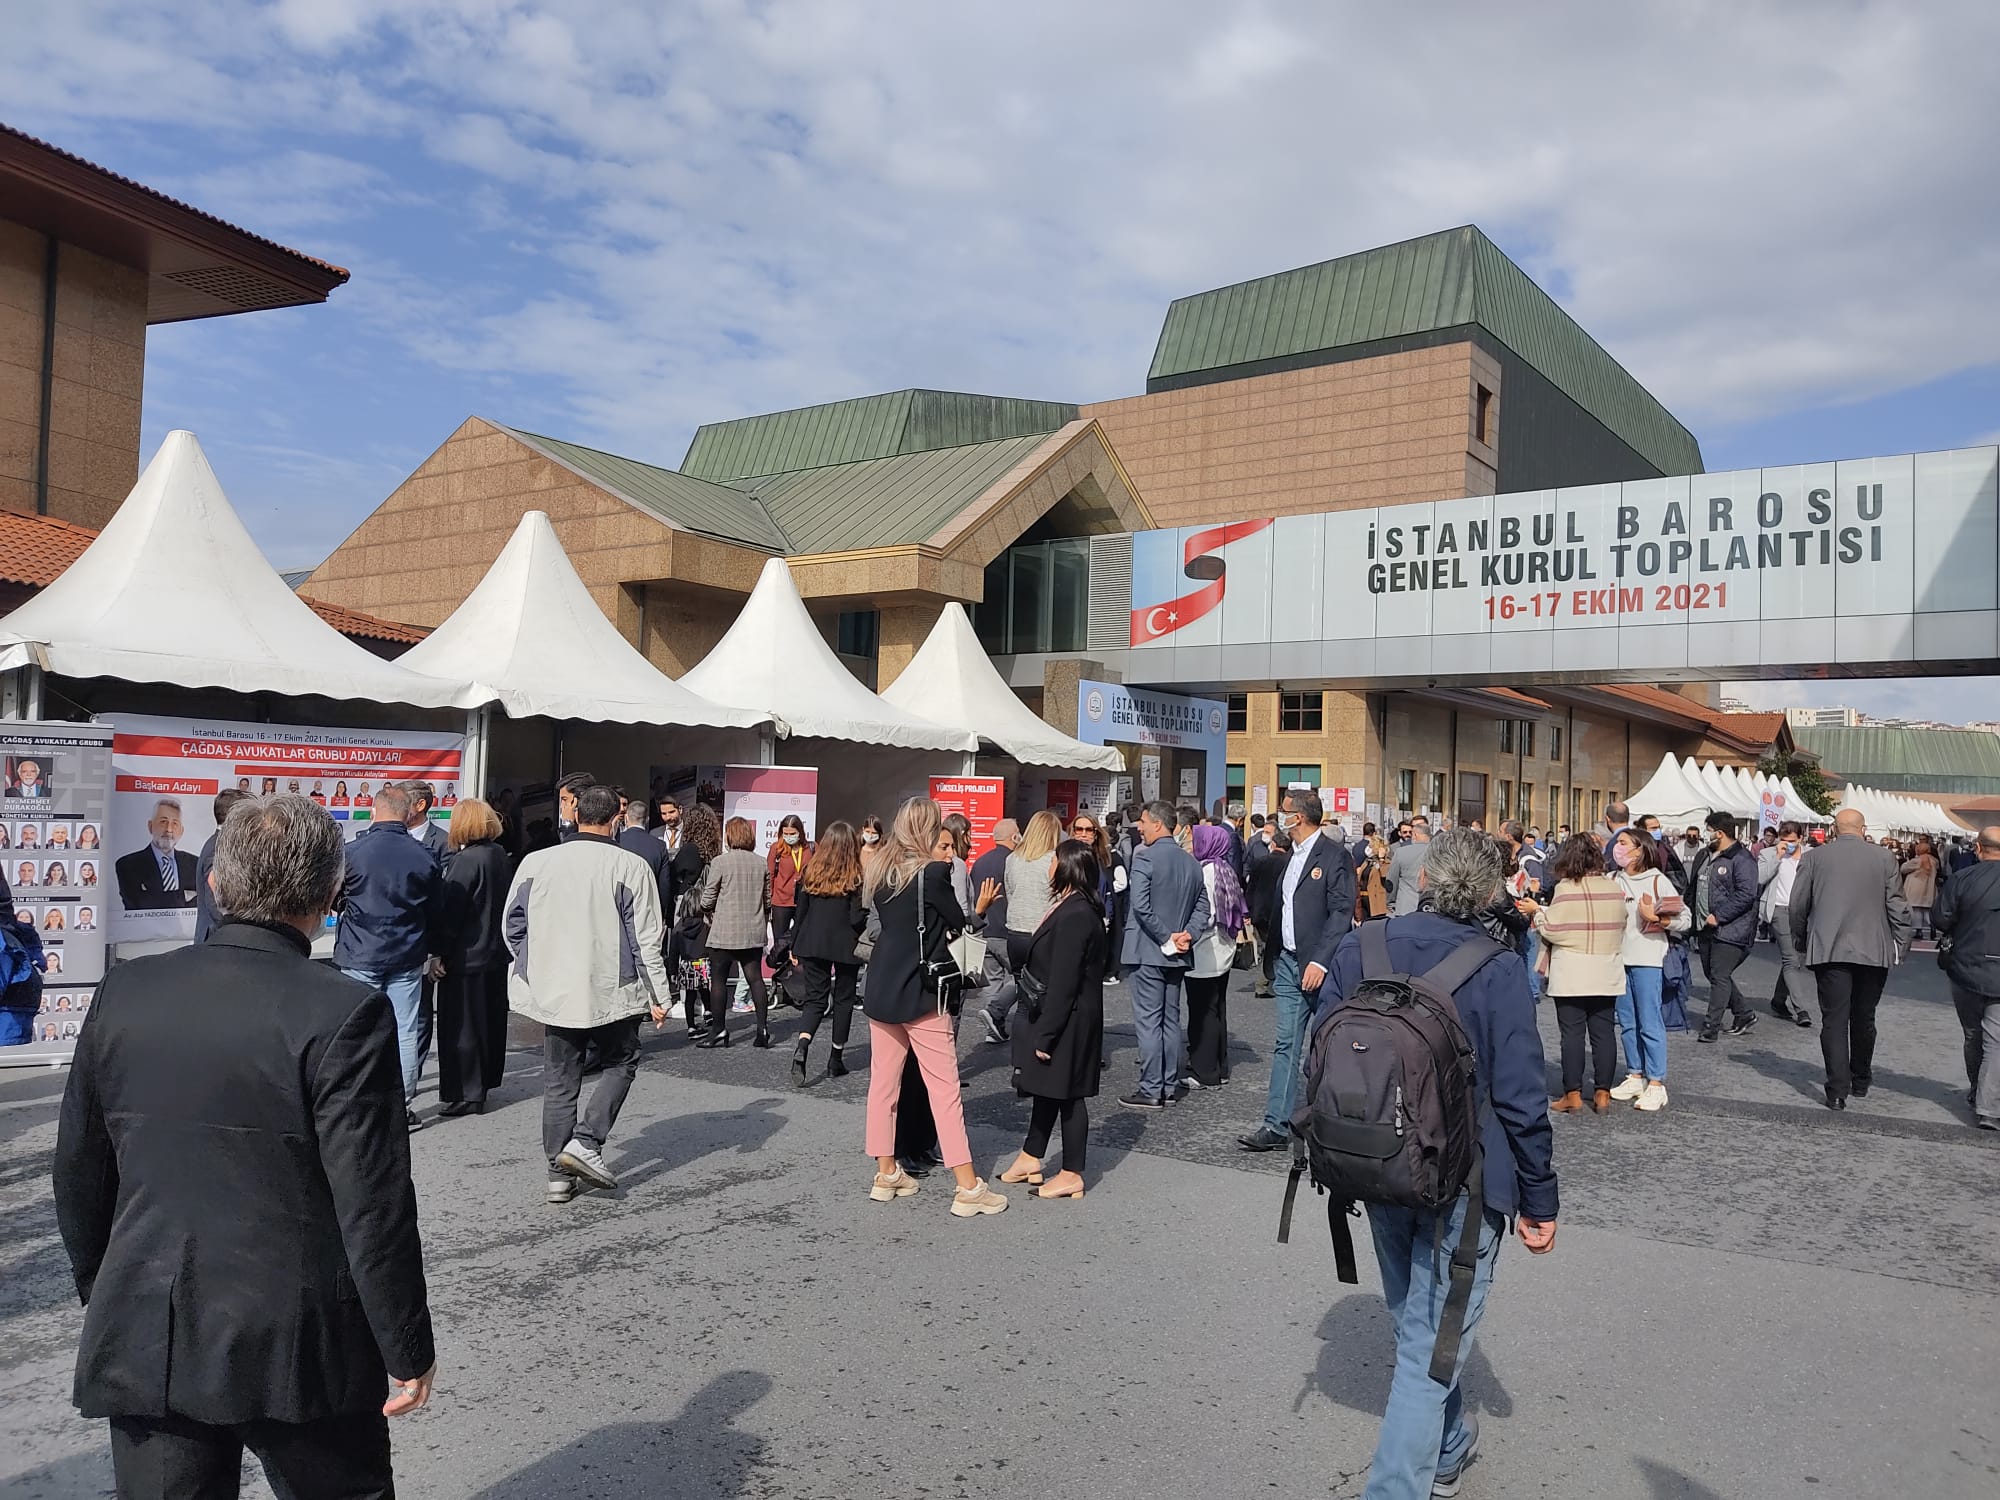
1401	877
1847	905
736	897
1168	896
584	928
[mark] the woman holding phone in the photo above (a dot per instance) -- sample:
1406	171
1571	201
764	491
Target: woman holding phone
1653	910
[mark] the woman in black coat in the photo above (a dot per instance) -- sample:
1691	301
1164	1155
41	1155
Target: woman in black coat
828	918
1058	1042
472	994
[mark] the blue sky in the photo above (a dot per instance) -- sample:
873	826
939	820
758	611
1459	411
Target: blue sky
613	221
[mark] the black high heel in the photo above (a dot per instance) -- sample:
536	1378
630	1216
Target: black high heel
763	1037
719	1037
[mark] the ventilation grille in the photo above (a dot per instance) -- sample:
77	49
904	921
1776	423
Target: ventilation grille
1111	592
239	288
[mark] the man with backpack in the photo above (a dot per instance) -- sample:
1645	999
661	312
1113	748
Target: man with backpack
1400	1001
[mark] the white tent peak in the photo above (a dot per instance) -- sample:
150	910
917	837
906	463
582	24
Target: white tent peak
175	590
952	681
774	660
532	636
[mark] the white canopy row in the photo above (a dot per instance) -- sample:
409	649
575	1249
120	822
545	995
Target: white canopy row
1893	812
1681	792
174	590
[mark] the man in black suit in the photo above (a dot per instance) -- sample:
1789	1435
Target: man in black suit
159	877
205	914
1315	910
431	834
232	1183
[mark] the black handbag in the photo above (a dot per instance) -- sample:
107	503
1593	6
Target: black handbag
944	981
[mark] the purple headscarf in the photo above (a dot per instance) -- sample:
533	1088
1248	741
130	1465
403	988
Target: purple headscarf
1212	846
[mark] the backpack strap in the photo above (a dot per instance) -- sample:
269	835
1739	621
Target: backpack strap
1375	951
1464	1265
1456	967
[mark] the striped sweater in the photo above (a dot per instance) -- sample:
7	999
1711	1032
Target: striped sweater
1583	927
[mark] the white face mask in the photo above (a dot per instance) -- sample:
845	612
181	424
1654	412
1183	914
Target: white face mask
870	837
791	838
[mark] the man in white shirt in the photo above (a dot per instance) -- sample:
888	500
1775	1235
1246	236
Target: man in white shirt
1796	994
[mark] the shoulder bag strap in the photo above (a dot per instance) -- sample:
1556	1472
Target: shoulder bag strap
1375	951
1467	959
1464	1266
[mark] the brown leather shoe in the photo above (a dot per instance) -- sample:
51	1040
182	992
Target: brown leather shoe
1569	1104
1601	1100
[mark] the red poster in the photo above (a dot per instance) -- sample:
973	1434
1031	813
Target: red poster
1062	797
982	799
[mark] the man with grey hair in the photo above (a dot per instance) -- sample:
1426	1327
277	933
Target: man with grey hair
232	1183
389	907
1427	1438
161	876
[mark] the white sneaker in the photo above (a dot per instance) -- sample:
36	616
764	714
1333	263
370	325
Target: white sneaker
580	1161
1633	1086
978	1199
561	1190
899	1184
1653	1096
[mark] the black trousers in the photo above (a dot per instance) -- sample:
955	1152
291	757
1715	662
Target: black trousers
826	980
1208	1029
471	1035
1848	995
616	1046
1718	962
1075	1117
172	1458
751	962
1595	1016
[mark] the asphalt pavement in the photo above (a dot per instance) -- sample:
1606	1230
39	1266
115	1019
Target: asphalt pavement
1749	1296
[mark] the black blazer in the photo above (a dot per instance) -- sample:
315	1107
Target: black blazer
1323	904
232	1182
139	885
1067	953
685	865
474	899
896	992
654	853
826	926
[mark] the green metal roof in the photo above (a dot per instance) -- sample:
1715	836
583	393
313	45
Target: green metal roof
681	501
885	502
898	422
1965	761
1436	282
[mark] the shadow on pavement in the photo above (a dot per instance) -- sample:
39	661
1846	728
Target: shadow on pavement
1808	1076
1666	1483
700	1452
669	1144
1357	1360
69	1478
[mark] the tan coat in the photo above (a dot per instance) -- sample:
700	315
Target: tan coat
1583	928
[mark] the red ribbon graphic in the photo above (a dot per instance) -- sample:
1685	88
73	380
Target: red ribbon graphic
1202	561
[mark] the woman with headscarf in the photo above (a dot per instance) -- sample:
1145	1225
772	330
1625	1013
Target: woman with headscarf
1214	955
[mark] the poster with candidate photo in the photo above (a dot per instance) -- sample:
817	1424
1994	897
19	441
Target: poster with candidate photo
167	773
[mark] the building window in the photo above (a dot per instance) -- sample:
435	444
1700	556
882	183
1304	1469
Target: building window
1527	738
1238	780
1239	713
1471	798
1291	776
1301	713
858	633
1527	809
1555	812
1037	598
1575	808
1503	800
1506	736
1435	785
1482	415
1555	742
1406	790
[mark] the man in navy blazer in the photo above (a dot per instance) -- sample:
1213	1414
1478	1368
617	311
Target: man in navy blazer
1315	910
1169	912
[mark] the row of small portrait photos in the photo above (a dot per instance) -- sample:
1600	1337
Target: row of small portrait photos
61	1015
49	874
49	838
57	920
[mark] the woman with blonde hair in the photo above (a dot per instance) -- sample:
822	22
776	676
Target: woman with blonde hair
1026	878
736	899
908	1006
470	941
1920	882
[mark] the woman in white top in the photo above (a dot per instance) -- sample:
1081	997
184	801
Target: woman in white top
1027	881
1796	993
1642	877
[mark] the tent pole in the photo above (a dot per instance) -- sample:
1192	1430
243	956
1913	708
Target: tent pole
767	745
32	692
472	771
970	765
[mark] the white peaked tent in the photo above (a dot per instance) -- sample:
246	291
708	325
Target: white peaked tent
951	681
174	590
1669	797
774	662
533	638
1888	812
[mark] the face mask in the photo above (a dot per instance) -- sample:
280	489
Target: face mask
1621	855
791	838
1659	835
869	838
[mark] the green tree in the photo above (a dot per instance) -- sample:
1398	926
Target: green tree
1805	779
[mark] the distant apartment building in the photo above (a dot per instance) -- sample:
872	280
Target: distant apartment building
1822	718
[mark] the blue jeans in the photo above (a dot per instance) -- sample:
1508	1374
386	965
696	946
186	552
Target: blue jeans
405	989
1156	1020
1295	1008
1534	956
1424	1427
1642	1023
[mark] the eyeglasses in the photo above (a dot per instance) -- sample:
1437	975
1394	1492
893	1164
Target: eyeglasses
1081	828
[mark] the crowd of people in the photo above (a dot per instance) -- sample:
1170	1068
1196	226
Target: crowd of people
640	908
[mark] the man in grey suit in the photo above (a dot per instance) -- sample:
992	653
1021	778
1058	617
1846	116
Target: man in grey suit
1405	865
1169	911
1850	920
